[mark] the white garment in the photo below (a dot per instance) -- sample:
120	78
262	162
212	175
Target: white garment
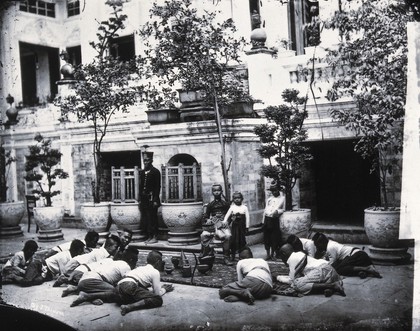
94	265
57	262
337	251
274	204
96	255
257	268
308	246
234	209
65	246
112	272
147	276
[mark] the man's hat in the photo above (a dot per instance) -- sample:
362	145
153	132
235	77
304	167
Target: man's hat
148	155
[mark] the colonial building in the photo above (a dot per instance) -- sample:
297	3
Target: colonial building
337	185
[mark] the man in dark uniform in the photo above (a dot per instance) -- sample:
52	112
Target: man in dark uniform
149	198
213	228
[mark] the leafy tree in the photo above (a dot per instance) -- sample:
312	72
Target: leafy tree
281	142
373	53
103	87
41	164
194	49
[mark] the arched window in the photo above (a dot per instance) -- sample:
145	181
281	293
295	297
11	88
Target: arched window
181	179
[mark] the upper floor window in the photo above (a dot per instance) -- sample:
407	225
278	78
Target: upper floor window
38	7
123	48
75	55
73	8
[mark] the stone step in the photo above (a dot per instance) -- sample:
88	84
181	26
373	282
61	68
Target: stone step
342	233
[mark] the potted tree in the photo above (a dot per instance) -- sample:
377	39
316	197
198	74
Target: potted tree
376	78
42	168
194	53
103	88
281	145
11	212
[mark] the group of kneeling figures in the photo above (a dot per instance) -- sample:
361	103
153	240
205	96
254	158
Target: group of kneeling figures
109	273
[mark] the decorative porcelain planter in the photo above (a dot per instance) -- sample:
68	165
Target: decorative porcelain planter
49	221
95	216
166	115
382	229
191	98
238	110
126	215
295	222
182	220
11	214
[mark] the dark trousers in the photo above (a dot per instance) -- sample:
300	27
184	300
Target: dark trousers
272	234
149	220
346	266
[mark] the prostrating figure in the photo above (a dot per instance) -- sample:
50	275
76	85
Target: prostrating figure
271	222
106	251
40	270
150	182
302	245
133	288
237	217
99	285
346	259
16	266
308	275
254	280
213	226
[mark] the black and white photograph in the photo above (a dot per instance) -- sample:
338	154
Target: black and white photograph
244	165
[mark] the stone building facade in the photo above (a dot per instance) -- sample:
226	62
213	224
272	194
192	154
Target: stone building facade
29	53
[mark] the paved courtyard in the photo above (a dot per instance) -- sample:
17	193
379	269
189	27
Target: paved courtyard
370	304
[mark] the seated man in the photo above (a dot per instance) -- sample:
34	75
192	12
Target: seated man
254	280
309	275
108	250
347	260
16	266
213	227
133	288
99	285
40	270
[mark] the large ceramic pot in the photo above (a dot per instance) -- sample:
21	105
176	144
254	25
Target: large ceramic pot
382	229
297	222
95	216
182	220
11	214
48	220
126	215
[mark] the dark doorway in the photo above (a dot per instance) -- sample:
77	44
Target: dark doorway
28	68
40	70
344	186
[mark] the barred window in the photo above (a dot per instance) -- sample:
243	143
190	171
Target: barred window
38	7
73	8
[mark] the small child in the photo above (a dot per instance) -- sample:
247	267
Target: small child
271	222
238	218
15	267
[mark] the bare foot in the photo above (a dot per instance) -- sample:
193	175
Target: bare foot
338	287
60	281
231	298
249	298
97	302
71	289
373	272
124	309
80	299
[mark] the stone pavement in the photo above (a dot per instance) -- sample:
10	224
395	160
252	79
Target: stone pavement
370	304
